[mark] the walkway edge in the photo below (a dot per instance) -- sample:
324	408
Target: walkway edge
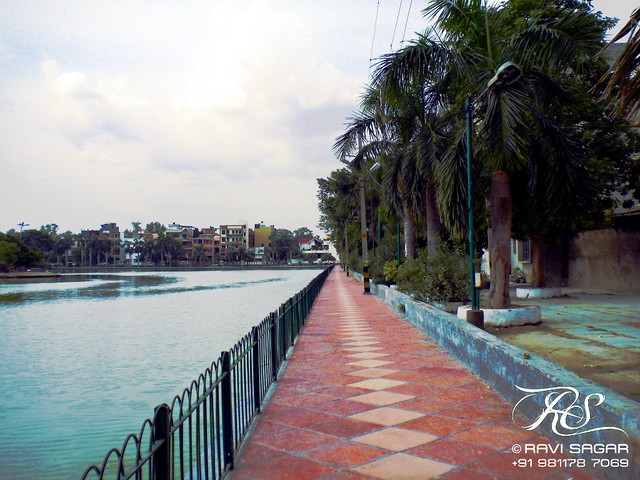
503	366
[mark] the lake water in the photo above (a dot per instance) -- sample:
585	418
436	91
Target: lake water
84	359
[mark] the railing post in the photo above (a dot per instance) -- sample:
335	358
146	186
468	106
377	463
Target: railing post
227	410
161	432
283	331
255	337
274	346
292	320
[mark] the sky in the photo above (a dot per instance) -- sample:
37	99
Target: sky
198	112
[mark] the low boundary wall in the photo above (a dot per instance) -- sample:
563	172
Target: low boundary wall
503	366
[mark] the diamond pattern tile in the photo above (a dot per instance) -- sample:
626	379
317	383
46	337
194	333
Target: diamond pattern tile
381	398
386	416
368	355
362	349
360	343
372	372
396	439
404	467
377	384
369	363
346	454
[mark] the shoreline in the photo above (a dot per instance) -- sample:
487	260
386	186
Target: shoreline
56	272
22	275
150	268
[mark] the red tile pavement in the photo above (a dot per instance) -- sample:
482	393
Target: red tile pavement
333	415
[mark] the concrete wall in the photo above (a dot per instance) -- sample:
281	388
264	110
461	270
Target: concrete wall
503	366
605	259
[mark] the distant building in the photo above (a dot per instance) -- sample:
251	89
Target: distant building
313	248
184	233
262	241
234	238
209	242
110	231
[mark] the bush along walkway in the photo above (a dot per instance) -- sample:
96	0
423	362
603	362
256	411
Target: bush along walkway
366	395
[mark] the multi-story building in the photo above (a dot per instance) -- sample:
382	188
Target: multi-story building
95	253
262	235
262	241
185	234
209	242
234	238
109	231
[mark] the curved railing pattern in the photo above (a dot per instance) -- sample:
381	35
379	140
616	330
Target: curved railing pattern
198	435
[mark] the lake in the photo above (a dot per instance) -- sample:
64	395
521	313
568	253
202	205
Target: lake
84	359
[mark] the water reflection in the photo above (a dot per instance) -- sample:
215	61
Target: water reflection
86	358
107	286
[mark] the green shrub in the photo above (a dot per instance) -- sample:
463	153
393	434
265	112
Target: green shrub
411	278
517	275
438	277
383	272
390	272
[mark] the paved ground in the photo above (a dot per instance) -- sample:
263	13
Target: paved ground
366	395
594	334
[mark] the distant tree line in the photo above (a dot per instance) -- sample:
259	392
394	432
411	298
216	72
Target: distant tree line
47	246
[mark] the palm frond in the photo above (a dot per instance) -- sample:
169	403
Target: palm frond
457	17
421	61
450	175
623	83
567	42
392	187
504	131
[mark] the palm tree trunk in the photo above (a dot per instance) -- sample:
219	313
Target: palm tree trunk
433	220
409	233
501	212
538	262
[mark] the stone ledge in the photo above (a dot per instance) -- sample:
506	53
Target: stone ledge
529	292
506	317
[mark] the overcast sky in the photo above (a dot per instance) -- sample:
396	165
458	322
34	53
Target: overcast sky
196	112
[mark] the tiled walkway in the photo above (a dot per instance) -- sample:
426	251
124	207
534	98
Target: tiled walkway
366	395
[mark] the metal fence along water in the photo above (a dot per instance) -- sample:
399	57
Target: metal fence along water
198	435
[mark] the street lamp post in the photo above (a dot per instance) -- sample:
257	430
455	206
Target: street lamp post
475	297
363	235
506	74
363	230
22	225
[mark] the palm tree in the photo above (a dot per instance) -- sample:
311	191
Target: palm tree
199	255
389	122
458	57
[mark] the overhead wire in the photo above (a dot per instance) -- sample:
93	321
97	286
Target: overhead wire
395	28
373	40
406	22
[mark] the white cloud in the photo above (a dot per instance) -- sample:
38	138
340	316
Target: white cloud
197	112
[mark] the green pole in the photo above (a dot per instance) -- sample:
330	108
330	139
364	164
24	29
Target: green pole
468	108
398	242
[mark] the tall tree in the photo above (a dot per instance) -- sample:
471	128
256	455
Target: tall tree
459	55
338	205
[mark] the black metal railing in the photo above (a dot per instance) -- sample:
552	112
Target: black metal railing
199	434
